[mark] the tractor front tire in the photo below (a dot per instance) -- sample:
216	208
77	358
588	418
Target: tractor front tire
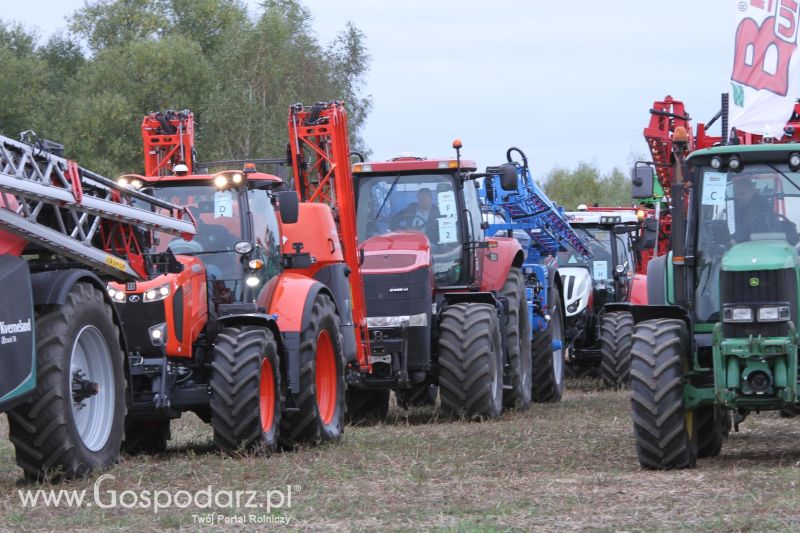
471	361
146	436
663	429
548	362
616	336
320	415
418	395
245	390
518	342
713	425
58	432
367	407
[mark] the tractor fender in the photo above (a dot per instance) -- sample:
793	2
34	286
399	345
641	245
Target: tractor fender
262	320
51	288
291	303
648	312
656	280
639	289
497	262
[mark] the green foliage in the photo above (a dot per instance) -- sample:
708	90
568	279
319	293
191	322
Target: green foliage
123	58
586	185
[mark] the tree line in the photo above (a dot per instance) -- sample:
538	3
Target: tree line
88	88
586	184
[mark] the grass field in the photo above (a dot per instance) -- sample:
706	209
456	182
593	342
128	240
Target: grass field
563	466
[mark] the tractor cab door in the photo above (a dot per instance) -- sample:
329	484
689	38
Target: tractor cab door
426	203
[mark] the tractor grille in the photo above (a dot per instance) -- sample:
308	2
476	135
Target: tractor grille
774	286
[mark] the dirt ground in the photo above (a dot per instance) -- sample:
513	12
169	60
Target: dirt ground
565	466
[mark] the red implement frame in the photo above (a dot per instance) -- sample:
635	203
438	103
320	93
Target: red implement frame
168	141
320	152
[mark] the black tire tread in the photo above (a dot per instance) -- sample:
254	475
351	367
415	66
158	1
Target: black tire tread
40	429
518	342
367	407
659	417
148	437
616	337
465	360
235	381
305	425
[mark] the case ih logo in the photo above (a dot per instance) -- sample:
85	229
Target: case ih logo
763	52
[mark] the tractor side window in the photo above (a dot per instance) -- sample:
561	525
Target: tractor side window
265	232
474	210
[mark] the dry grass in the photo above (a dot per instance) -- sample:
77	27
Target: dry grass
564	466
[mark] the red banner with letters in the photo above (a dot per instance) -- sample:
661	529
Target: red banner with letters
765	81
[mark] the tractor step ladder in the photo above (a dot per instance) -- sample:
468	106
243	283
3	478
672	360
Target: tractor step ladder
54	203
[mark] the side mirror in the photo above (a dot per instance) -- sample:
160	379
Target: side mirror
643	181
509	179
289	206
622	229
650	233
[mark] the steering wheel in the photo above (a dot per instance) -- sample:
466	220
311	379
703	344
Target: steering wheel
773	224
410	220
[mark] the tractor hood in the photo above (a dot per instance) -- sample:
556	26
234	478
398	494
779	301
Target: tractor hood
577	283
396	252
760	255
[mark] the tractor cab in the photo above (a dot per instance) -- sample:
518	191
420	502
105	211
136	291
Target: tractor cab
606	277
235	252
413	199
610	269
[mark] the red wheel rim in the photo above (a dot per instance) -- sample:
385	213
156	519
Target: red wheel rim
325	377
266	393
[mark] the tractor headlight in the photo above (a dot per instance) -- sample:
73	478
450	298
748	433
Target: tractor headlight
737	314
158	334
252	281
116	295
220	181
154	295
397	321
773	313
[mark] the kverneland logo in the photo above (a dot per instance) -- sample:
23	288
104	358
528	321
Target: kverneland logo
19	327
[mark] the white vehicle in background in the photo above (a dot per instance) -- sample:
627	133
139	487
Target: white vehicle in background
598	339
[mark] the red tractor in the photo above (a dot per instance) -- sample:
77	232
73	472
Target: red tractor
446	305
250	325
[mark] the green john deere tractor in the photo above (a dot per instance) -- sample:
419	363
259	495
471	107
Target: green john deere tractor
718	340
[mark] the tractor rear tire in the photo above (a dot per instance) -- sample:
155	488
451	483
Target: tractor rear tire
366	407
76	343
616	336
548	362
573	371
713	425
664	430
518	342
320	415
471	361
245	390
146	436
418	395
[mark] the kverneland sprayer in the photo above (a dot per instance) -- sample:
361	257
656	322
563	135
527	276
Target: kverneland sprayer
65	232
719	340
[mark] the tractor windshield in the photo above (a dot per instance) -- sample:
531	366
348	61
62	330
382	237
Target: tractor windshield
216	213
415	202
761	202
601	264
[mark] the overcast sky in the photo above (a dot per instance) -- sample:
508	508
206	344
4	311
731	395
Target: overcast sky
564	81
